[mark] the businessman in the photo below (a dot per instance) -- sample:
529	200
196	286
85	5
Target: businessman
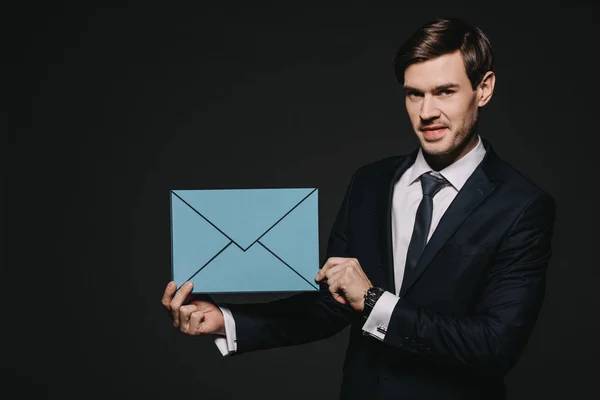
437	259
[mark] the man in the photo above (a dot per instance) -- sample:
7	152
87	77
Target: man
437	259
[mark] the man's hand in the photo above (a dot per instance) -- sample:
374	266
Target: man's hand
197	317
347	281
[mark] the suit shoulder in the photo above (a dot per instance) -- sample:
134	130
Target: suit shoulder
517	181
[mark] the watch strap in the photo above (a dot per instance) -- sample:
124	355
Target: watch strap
371	297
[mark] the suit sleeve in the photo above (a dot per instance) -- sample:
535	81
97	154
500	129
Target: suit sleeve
492	338
301	318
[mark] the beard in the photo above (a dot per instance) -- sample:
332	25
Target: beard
458	140
440	155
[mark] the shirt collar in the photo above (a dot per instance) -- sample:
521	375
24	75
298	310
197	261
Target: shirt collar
456	173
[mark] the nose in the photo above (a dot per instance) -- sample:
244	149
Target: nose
429	109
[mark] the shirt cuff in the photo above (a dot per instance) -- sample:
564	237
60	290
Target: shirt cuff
379	319
228	343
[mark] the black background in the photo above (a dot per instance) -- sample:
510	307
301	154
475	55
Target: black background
107	109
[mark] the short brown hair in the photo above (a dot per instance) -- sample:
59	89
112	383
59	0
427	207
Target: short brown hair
443	36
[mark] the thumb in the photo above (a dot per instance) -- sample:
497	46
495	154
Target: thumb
215	322
339	298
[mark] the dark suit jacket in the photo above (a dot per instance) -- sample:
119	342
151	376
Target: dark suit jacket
463	319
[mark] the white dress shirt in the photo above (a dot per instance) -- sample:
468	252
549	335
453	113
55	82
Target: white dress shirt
405	201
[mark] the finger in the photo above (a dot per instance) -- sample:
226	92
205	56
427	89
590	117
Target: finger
196	325
337	283
357	266
184	317
340	268
333	279
183	293
337	292
331	262
168	295
177	301
339	298
188	299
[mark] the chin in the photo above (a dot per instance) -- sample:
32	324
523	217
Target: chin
436	151
438	148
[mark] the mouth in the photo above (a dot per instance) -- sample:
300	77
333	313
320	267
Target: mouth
433	132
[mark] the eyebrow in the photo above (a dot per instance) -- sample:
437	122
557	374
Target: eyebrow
438	88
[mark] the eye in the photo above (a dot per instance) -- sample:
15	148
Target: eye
414	96
445	93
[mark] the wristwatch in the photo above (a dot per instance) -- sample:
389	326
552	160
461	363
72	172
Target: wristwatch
371	296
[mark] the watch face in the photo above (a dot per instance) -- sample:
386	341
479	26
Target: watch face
372	295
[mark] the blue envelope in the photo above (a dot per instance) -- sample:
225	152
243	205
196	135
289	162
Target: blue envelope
245	240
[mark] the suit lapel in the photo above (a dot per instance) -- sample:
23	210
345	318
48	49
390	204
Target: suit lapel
476	189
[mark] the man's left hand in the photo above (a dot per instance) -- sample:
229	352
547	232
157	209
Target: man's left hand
347	281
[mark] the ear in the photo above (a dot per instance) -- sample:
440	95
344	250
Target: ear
486	88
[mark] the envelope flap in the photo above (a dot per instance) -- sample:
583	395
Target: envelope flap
243	215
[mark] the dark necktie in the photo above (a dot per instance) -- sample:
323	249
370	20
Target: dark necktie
430	185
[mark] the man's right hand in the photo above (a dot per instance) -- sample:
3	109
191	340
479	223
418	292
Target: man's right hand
197	317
